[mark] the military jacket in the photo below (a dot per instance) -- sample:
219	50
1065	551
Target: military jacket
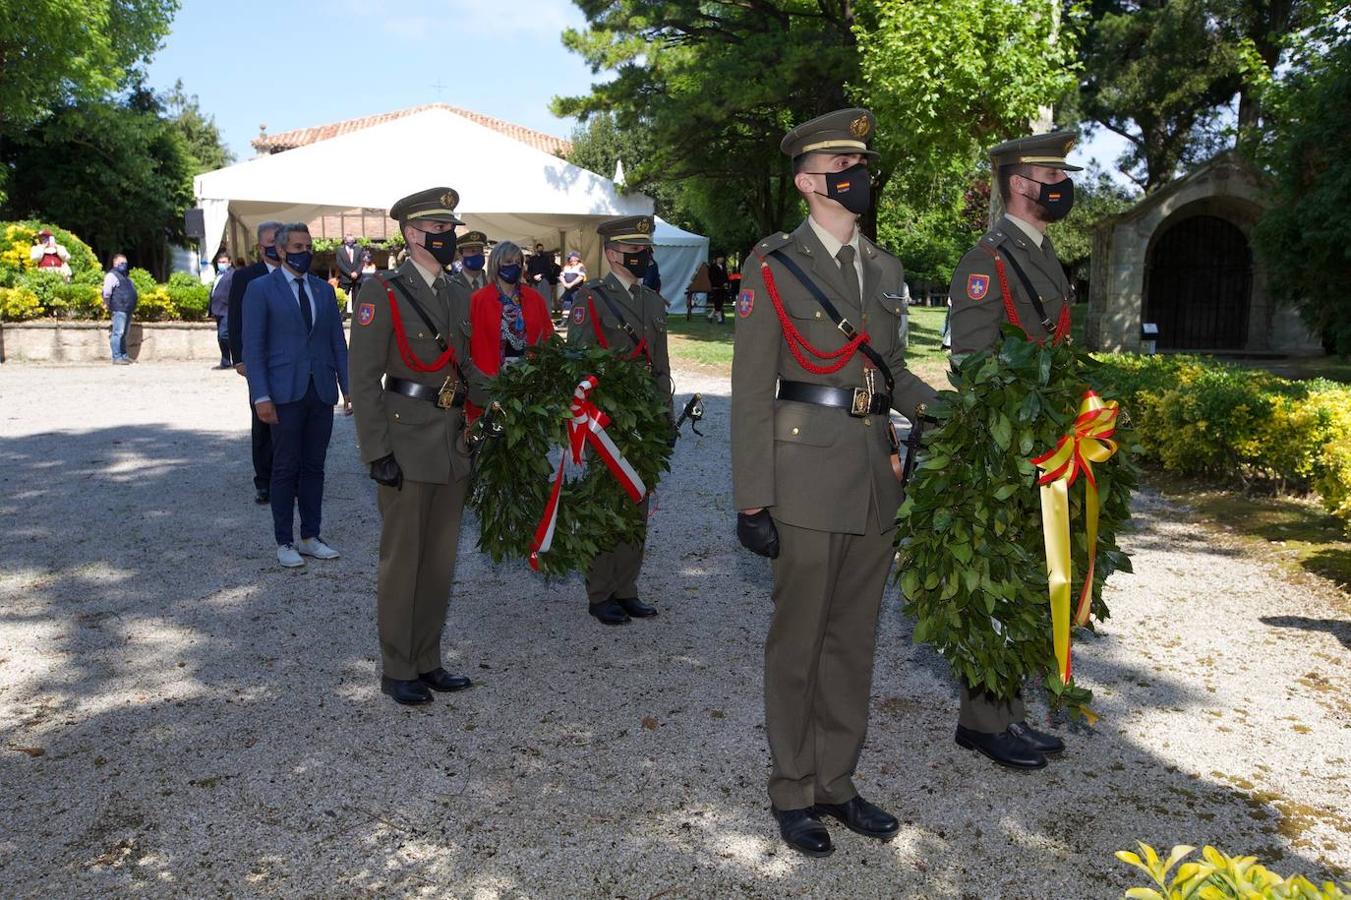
816	466
427	441
470	284
978	299
644	310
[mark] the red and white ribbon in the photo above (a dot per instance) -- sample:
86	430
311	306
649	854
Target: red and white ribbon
586	426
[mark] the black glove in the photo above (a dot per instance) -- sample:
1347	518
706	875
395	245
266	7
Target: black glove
386	471
758	534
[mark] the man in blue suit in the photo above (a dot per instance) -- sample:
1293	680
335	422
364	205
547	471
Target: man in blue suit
295	359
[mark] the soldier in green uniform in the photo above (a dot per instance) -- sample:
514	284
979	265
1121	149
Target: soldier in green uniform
409	367
472	276
620	314
817	368
1013	275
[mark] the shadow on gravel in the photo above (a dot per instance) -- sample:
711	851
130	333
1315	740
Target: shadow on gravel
189	720
1338	628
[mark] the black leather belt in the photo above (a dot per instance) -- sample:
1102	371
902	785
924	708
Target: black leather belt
859	402
448	396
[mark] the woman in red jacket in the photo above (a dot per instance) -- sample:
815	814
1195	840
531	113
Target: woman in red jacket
507	316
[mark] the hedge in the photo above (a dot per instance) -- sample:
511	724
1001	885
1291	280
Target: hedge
1198	417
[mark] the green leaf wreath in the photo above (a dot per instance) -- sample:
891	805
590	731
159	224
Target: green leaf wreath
516	469
972	563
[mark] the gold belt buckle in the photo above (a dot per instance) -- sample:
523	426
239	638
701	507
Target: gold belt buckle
445	398
863	403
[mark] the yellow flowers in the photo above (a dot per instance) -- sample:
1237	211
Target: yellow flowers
1217	877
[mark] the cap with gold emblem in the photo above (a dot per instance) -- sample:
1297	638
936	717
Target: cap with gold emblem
841	131
471	239
1047	150
434	204
628	230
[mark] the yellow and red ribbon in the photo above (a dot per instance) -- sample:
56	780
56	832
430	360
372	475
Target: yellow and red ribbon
587	425
1089	441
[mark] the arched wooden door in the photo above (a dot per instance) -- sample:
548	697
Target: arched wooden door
1198	286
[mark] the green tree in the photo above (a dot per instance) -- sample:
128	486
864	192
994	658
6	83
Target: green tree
54	52
1096	197
199	131
714	86
949	78
116	172
1305	233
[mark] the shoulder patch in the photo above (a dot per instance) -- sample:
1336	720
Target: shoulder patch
977	286
365	313
745	303
578	313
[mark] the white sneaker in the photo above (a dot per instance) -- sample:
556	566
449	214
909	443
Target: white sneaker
317	548
288	557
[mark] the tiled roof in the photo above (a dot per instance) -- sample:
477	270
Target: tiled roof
299	137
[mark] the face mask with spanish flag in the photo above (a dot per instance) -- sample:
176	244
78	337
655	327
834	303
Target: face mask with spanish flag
851	188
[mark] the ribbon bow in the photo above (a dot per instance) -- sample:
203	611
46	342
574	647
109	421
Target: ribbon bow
1088	441
586	425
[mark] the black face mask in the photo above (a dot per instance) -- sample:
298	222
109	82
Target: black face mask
1057	198
852	188
441	246
638	263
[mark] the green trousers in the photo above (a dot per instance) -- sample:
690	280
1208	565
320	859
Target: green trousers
418	540
983	712
819	660
614	573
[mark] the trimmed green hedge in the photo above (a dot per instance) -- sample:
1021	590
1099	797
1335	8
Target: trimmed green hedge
1199	417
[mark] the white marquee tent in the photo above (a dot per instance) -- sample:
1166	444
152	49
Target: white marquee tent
508	189
678	254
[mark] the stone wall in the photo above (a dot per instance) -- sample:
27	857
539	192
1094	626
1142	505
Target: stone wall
85	342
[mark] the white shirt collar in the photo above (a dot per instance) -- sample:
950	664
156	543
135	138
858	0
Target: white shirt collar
1032	233
428	275
270	267
829	241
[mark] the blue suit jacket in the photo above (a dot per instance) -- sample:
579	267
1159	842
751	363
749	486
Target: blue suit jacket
279	357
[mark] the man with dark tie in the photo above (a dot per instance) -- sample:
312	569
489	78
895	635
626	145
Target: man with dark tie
268	260
472	276
295	356
349	267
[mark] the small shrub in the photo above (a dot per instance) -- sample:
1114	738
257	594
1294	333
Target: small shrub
1198	417
1218	877
155	305
16	238
81	301
46	285
190	297
18	304
144	281
342	299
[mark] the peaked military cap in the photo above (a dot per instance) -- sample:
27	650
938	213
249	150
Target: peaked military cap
628	230
472	239
841	131
435	204
1047	150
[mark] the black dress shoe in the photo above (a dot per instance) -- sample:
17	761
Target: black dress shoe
261	496
610	612
1004	748
863	817
1037	740
803	831
409	693
439	679
636	608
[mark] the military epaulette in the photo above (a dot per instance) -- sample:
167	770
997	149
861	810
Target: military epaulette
772	243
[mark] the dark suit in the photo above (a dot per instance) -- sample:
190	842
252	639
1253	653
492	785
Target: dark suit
262	432
349	267
299	369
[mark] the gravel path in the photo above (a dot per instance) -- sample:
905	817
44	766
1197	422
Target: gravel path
180	717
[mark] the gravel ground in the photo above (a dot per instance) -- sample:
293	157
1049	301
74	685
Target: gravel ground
180	717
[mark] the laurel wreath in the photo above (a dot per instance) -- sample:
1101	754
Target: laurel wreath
972	565
515	470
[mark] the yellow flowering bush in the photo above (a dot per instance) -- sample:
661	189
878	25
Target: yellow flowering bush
155	305
16	239
1217	876
18	303
1198	417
